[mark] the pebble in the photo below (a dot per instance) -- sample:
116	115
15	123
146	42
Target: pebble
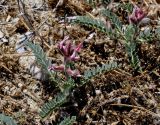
98	92
104	112
20	85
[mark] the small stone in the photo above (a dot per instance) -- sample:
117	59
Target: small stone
25	90
20	85
98	92
4	40
6	88
104	112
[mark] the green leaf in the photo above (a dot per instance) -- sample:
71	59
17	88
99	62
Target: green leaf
52	105
90	22
40	55
129	33
99	70
128	7
55	103
68	121
113	18
157	33
7	120
131	51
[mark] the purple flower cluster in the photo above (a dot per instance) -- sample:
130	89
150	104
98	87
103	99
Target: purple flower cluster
68	50
70	54
137	15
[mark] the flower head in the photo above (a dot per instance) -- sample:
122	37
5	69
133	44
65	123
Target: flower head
137	15
68	50
70	53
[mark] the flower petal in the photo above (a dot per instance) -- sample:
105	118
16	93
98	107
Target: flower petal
79	47
73	57
73	73
57	68
60	45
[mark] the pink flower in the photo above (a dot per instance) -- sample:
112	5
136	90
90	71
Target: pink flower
57	68
63	41
69	51
73	73
73	57
70	72
137	15
79	47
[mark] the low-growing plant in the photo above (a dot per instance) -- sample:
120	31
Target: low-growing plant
69	52
130	34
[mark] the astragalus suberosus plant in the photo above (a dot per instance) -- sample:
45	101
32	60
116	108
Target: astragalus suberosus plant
131	36
69	52
129	33
70	55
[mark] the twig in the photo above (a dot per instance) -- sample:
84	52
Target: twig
141	108
6	68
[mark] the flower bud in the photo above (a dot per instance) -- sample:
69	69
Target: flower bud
137	15
73	73
57	68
